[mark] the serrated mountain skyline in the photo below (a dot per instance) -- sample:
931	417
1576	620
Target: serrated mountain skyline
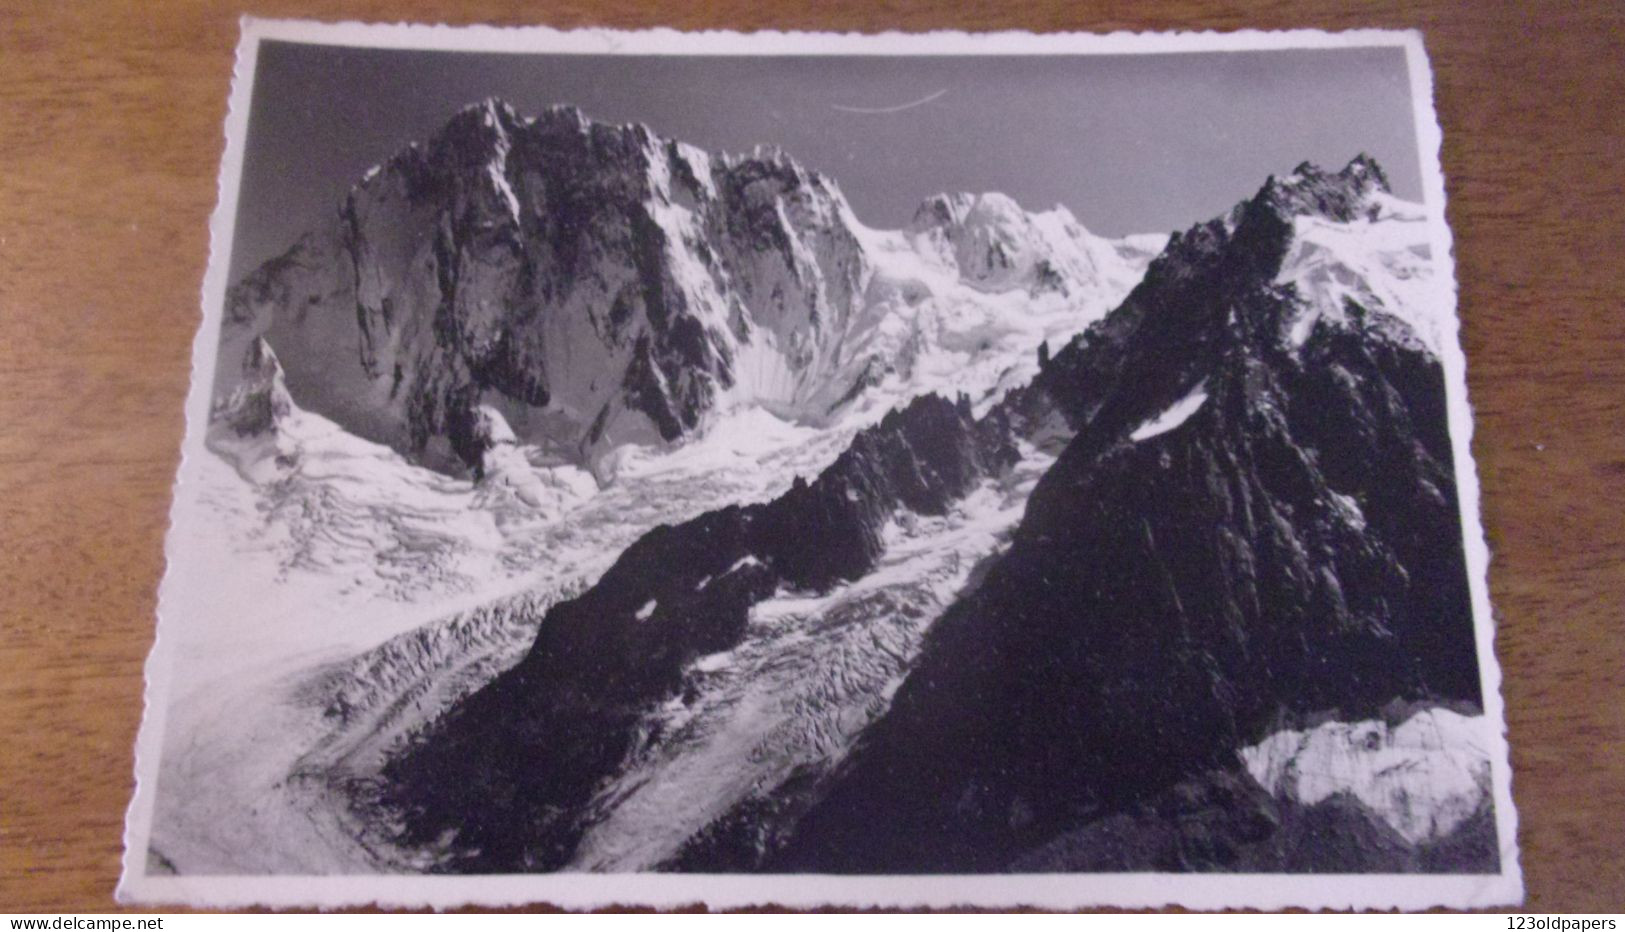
1131	143
585	286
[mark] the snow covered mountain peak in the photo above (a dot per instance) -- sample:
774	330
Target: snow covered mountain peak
994	245
597	285
963	208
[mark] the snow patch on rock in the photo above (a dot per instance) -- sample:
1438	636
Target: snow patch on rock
1380	262
1176	414
1423	777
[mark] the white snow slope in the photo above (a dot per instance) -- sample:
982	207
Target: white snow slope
1380	262
348	595
345	577
1423	777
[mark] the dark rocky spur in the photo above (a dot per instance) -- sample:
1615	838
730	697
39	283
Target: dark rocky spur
511	771
1291	552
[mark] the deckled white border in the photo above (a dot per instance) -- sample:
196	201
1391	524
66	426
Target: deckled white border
1055	891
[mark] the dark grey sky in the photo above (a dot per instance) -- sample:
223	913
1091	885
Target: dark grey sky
1131	143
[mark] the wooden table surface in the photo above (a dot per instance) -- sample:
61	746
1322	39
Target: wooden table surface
110	138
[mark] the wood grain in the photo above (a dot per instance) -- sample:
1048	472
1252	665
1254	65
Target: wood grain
110	139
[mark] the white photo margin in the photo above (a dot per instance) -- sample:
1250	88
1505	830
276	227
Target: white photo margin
586	891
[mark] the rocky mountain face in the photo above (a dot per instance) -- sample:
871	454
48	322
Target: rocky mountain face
1251	527
1255	525
595	285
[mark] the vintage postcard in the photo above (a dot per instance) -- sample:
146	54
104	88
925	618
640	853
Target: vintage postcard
917	470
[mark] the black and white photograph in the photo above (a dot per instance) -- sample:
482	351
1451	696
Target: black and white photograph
937	470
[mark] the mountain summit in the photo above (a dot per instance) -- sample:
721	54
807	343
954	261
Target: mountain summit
596	285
